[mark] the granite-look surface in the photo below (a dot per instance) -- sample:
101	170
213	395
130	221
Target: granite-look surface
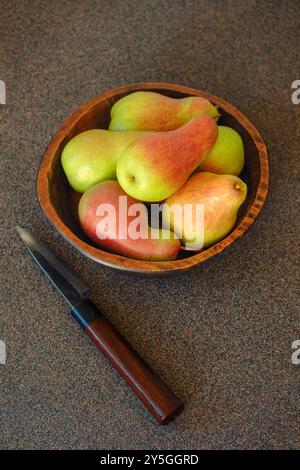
221	335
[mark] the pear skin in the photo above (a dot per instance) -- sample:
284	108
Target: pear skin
91	157
148	111
154	167
221	197
227	155
100	228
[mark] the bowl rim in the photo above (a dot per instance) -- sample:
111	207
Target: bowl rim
116	261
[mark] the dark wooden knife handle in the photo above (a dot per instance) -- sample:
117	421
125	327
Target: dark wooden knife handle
146	384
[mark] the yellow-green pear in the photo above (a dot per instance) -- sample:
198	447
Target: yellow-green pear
91	157
219	196
154	167
227	154
149	111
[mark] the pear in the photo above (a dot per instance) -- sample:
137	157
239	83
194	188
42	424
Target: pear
220	197
119	223
154	167
227	155
91	157
148	111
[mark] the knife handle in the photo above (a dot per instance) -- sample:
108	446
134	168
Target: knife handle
146	384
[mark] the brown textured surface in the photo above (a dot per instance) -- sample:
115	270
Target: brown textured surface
221	335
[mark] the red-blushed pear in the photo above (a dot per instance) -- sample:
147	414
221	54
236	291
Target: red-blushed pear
154	167
119	223
219	195
227	154
91	156
149	111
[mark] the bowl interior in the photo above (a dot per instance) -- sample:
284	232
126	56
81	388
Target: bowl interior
65	200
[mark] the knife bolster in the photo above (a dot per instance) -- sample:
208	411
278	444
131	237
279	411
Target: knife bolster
85	313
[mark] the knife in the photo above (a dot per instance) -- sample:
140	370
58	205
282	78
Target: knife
146	384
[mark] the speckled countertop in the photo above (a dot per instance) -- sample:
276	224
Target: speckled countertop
221	335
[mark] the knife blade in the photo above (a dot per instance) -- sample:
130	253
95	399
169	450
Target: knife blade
69	285
162	403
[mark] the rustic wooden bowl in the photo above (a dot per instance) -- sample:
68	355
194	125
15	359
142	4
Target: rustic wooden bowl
59	201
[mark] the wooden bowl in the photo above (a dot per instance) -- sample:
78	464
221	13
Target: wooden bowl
59	201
